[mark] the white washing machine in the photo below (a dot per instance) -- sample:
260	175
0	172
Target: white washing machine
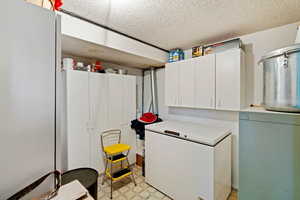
188	161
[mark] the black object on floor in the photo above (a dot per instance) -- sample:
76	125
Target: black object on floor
86	176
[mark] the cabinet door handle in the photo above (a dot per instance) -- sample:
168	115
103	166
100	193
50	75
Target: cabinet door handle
172	132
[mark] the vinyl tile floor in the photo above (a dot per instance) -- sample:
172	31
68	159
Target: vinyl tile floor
125	189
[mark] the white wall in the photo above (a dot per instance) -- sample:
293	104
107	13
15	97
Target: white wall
256	45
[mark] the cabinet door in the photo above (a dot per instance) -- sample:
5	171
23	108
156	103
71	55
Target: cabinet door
187	83
228	68
98	109
205	86
129	113
129	137
269	163
78	118
129	99
27	92
198	171
115	101
172	84
122	108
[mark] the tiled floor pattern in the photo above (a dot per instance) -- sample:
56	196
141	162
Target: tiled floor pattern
125	189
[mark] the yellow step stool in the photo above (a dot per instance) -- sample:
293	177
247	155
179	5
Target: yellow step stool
116	148
115	153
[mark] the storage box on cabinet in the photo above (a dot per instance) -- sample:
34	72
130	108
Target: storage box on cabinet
96	102
213	81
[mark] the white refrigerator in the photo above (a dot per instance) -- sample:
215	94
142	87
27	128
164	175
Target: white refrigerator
27	95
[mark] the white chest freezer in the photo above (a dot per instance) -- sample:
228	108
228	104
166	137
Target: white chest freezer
188	161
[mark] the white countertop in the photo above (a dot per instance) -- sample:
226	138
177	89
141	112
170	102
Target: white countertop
263	110
198	132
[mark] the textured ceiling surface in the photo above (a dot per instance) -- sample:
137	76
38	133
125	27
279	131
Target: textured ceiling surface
185	23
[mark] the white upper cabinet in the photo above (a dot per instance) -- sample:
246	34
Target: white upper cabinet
172	84
214	81
191	83
205	80
186	96
230	77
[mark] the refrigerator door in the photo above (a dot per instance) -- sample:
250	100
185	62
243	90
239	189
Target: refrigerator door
27	95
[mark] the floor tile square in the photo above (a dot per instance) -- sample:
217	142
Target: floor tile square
145	194
129	194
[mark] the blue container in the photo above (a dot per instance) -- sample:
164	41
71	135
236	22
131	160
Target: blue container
175	55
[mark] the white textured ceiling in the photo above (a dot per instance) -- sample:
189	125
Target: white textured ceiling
185	23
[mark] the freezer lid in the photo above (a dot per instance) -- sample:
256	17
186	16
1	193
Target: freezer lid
198	132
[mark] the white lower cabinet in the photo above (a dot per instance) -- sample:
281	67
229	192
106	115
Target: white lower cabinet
78	118
129	137
114	101
98	102
98	84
